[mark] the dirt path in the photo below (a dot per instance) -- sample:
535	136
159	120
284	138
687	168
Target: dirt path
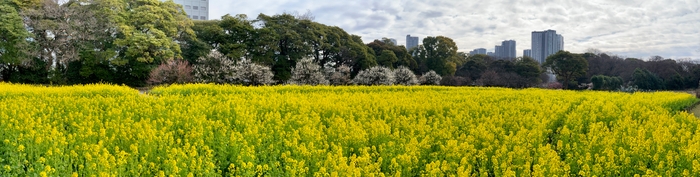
696	110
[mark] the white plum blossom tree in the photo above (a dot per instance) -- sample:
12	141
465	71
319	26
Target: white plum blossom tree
339	76
249	73
307	72
377	75
404	76
214	68
430	78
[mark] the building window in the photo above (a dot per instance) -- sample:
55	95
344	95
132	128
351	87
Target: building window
203	8
195	7
188	7
203	18
195	17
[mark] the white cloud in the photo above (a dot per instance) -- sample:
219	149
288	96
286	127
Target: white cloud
633	28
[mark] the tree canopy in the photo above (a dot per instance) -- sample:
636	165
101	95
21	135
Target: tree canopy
438	54
384	50
567	66
280	41
12	35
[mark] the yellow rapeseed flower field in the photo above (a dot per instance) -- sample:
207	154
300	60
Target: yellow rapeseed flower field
215	130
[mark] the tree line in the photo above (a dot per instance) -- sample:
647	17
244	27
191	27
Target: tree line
655	73
124	41
601	71
88	41
142	42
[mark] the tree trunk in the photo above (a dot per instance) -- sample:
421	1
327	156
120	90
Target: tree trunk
567	79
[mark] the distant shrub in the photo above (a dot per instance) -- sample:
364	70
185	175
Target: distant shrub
647	80
377	75
214	68
170	72
554	85
489	78
430	78
307	72
404	76
249	73
629	88
339	76
455	81
602	82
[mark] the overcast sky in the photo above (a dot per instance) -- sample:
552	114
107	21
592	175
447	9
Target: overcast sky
631	28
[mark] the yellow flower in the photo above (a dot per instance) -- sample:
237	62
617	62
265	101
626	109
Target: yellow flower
347	130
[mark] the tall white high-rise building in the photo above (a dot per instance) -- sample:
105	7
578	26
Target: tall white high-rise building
195	9
546	43
506	50
498	51
411	42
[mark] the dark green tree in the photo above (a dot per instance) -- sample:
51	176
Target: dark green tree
567	66
387	58
359	56
263	46
145	36
646	80
210	31
237	33
289	42
13	37
403	58
529	69
602	82
474	66
438	54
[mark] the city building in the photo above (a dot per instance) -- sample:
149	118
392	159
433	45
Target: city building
411	42
546	43
491	54
506	50
478	51
527	53
195	9
393	41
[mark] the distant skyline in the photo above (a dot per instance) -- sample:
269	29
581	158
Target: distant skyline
630	28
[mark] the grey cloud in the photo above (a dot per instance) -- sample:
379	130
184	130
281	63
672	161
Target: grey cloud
374	21
558	11
431	14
